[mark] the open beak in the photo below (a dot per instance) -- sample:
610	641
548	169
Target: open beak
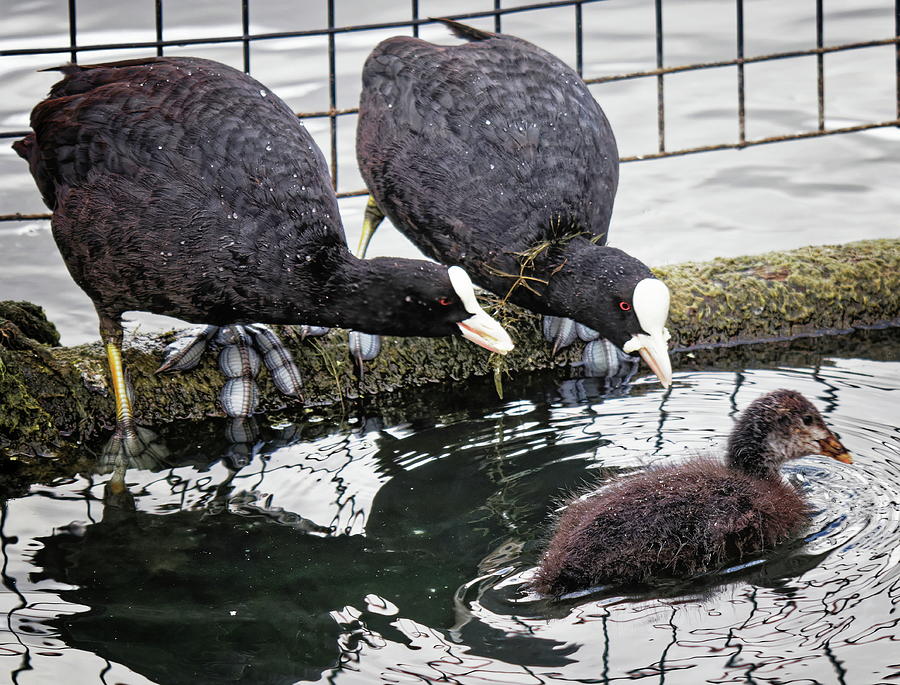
654	350
480	328
832	447
485	331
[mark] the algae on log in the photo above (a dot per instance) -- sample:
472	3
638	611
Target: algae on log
49	392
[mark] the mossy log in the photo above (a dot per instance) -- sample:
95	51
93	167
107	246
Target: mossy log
48	394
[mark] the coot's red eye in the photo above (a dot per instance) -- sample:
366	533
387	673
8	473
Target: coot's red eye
444	301
624	306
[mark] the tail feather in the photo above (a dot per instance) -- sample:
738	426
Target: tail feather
71	68
465	31
23	146
67	68
82	78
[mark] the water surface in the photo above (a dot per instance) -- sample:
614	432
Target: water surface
375	549
772	197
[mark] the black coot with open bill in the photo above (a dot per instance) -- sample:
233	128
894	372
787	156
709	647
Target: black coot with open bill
181	186
681	520
495	156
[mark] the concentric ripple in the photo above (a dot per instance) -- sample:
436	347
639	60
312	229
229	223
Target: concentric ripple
372	551
823	607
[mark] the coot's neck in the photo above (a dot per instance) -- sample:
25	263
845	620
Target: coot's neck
545	271
750	450
328	286
367	295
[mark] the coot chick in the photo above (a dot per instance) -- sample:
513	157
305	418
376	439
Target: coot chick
495	156
684	519
183	187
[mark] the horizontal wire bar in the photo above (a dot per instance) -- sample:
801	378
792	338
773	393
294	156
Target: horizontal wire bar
746	60
761	141
353	193
18	216
14	134
286	34
633	158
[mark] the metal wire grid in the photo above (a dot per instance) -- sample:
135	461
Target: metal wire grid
415	21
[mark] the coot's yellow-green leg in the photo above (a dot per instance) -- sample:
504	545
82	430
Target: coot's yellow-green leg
124	415
130	445
371	221
112	335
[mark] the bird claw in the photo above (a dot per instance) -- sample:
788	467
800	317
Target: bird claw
364	347
560	331
278	360
186	351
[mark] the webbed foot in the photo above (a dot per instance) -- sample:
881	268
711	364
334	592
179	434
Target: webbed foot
305	331
586	334
239	362
602	359
242	433
364	347
241	349
132	446
278	359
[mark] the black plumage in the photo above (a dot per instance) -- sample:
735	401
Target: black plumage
184	187
495	156
683	519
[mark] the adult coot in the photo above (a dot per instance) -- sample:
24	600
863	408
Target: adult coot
495	156
684	519
184	187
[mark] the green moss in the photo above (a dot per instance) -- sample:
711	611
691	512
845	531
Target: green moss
777	295
22	419
31	321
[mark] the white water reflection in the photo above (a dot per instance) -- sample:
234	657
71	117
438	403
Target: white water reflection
392	553
780	196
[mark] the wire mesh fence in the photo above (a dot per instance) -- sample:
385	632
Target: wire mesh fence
495	11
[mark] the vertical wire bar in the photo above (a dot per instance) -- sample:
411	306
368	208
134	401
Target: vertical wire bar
820	64
897	50
73	32
415	17
742	112
660	101
159	27
579	40
245	26
332	95
496	16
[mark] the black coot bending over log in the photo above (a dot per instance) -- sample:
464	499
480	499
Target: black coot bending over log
495	156
181	186
677	521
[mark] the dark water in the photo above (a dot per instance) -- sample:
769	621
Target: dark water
379	549
772	197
